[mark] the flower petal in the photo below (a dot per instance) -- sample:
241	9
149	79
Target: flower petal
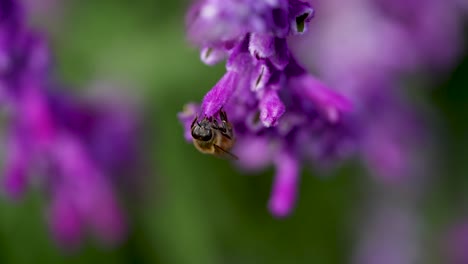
261	76
300	14
271	108
261	45
16	167
65	221
281	57
328	102
186	117
212	55
107	220
284	192
218	96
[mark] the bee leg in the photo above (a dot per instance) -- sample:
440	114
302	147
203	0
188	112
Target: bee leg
216	125
225	127
194	120
224	119
224	130
223	116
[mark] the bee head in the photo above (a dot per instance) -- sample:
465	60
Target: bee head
202	130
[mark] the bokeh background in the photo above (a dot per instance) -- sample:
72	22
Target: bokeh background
193	208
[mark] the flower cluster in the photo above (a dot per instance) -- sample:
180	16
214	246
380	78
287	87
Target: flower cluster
67	146
361	49
281	114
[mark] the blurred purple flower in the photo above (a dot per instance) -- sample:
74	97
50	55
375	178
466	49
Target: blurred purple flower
278	110
390	232
457	244
70	147
364	49
49	14
42	6
432	21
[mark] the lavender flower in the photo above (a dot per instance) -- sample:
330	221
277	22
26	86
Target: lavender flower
270	98
71	145
292	116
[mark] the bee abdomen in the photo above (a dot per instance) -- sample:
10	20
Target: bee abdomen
205	147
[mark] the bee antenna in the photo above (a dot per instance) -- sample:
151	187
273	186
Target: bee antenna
194	120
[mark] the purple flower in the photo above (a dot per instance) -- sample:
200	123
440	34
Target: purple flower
71	148
77	147
360	48
278	110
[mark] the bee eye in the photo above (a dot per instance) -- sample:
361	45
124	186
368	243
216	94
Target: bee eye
202	134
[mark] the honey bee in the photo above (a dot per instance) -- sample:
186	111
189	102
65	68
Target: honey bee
210	137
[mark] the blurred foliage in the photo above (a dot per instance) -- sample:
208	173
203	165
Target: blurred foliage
198	209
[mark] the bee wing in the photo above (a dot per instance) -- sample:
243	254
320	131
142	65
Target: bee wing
224	153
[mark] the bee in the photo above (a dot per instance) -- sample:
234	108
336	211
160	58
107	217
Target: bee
211	137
